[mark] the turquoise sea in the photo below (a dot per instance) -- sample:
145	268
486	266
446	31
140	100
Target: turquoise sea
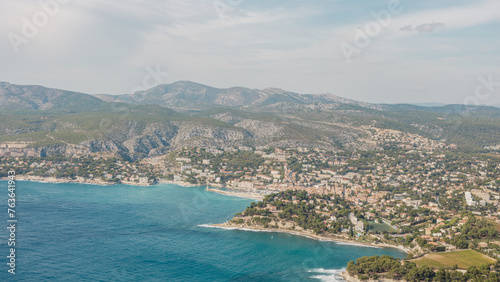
78	232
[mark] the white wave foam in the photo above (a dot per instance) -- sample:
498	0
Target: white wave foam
290	233
357	245
260	230
234	228
208	226
327	274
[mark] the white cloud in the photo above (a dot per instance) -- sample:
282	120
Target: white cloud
452	17
101	46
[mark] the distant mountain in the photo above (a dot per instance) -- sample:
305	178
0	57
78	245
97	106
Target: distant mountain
429	104
435	105
32	97
446	109
187	95
166	117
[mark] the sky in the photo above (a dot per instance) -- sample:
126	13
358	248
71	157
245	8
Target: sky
391	51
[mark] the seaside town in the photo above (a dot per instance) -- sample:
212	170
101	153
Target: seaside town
416	194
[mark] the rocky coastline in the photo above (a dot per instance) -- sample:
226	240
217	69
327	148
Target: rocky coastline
309	234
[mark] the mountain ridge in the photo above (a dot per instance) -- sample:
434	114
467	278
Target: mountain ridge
36	97
201	97
260	96
170	116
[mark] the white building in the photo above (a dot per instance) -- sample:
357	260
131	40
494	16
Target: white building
469	199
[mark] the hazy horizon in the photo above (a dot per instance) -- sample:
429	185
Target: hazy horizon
422	104
414	52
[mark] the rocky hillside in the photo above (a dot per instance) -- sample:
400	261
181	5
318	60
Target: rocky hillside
43	121
32	97
147	131
189	96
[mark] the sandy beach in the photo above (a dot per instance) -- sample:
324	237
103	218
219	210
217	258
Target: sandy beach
247	195
20	177
308	234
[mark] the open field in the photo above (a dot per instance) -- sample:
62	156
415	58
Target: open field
381	227
462	259
495	224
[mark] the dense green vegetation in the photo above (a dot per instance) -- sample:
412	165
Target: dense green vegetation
51	127
376	267
308	211
474	229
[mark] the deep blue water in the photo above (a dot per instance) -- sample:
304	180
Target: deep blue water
77	232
